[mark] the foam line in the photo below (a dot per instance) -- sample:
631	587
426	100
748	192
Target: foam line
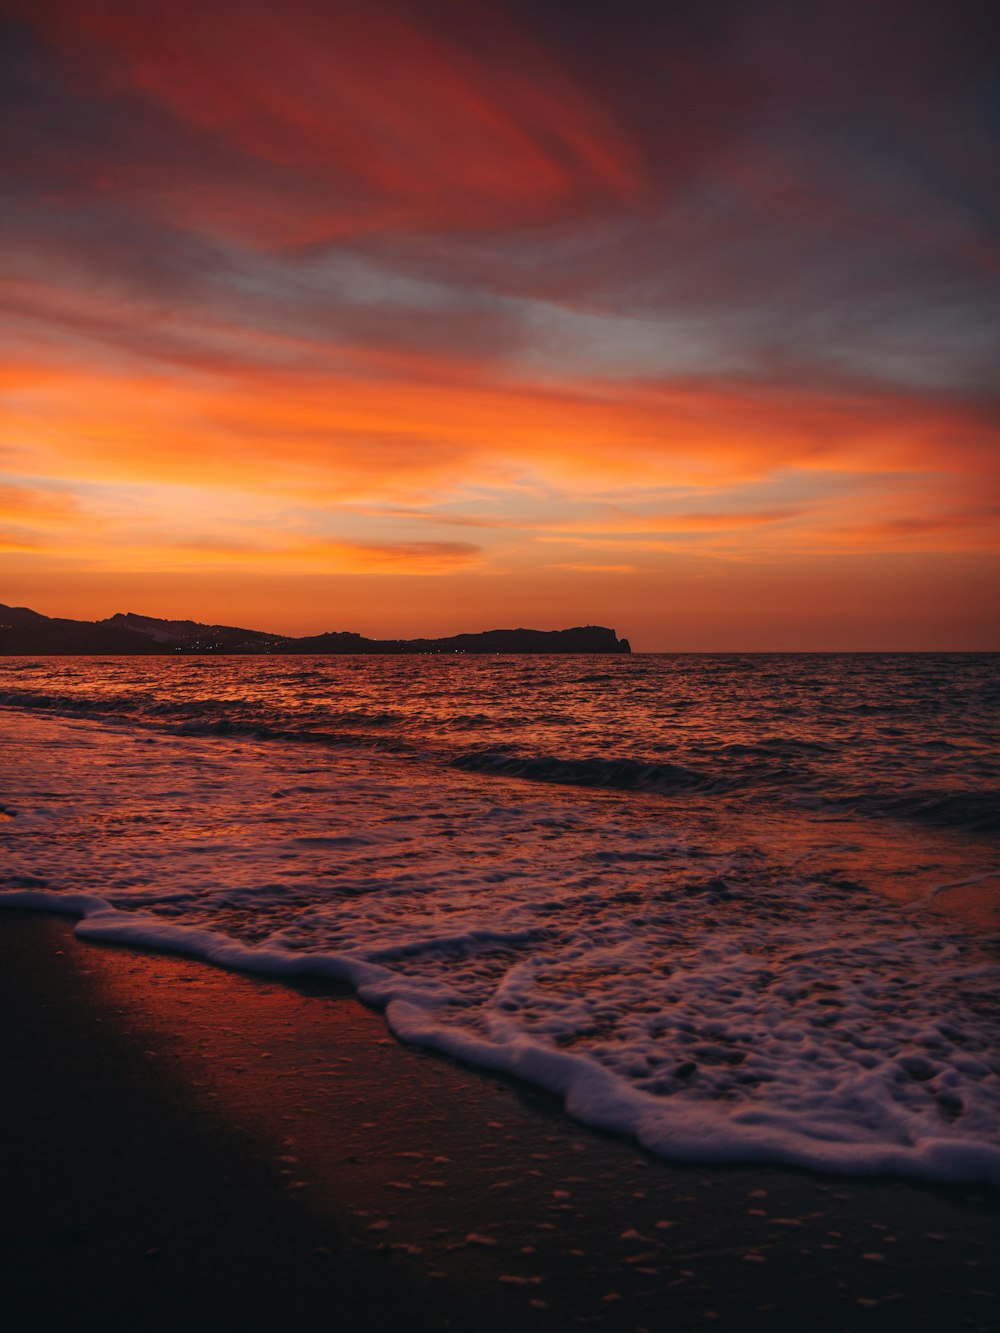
593	1094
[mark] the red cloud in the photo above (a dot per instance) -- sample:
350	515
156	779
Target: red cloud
355	116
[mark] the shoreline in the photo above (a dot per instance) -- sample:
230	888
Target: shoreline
192	1146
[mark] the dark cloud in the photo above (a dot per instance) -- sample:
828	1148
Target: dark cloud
814	182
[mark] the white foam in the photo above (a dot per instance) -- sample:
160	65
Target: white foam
852	1121
706	998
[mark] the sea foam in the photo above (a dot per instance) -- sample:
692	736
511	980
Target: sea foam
719	985
924	1101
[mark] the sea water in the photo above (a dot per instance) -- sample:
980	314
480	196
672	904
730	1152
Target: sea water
742	908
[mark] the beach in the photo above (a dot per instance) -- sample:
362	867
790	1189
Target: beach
499	667
189	1147
651	994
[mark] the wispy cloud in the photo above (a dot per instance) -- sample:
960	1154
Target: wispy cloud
314	286
587	567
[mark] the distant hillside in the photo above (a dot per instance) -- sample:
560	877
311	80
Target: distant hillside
192	637
24	632
583	639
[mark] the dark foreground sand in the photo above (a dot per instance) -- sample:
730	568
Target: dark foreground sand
184	1148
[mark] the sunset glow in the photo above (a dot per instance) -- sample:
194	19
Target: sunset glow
415	318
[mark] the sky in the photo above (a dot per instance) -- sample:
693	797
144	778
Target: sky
418	318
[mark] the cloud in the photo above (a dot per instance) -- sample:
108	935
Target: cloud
303	556
34	518
585	567
310	121
220	183
619	521
172	528
397	439
285	285
38	503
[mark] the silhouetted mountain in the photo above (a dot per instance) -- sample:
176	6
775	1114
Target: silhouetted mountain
23	631
583	639
191	636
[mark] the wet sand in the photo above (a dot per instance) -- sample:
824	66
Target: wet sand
190	1148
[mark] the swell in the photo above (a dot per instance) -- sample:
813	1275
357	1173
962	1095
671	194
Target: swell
209	717
786	770
66	705
963	810
620	774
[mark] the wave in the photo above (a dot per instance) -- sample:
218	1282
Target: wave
591	771
801	772
659	959
67	705
887	1139
210	717
965	811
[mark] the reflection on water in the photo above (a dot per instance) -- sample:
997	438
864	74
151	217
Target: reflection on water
689	894
907	736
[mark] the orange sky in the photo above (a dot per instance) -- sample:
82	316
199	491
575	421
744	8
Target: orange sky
429	318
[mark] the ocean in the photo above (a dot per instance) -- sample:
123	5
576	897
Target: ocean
742	908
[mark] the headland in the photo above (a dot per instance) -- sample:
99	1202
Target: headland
23	631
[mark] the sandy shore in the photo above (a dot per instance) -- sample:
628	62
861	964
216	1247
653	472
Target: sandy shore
189	1148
